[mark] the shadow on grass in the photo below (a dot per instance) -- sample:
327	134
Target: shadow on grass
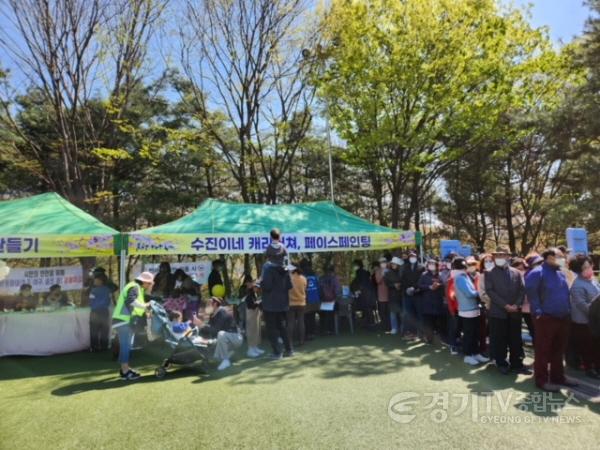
359	356
331	363
113	382
72	365
330	357
486	380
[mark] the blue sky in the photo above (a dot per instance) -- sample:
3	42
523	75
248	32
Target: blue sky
565	18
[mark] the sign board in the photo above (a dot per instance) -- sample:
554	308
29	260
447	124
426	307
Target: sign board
42	246
70	278
199	270
216	244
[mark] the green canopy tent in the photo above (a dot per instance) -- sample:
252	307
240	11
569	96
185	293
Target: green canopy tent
47	225
218	227
44	226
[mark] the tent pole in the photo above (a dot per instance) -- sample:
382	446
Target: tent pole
122	280
329	148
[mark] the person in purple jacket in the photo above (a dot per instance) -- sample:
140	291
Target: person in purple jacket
548	293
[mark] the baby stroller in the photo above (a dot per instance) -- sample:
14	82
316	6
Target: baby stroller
187	350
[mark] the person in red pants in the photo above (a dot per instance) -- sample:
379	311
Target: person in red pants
548	293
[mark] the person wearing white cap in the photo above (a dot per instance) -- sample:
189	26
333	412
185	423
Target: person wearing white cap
130	304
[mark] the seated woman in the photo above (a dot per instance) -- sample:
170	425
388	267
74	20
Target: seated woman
56	297
164	280
184	285
184	291
221	325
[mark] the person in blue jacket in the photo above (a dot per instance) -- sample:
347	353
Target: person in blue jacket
548	293
469	312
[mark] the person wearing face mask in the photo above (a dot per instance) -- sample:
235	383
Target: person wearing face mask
476	277
184	284
469	312
404	256
583	292
521	265
486	264
453	320
410	280
504	285
445	270
548	292
383	303
432	302
393	281
564	262
472	265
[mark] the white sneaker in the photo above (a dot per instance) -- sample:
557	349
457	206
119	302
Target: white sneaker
470	360
225	364
394	331
252	353
482	359
258	350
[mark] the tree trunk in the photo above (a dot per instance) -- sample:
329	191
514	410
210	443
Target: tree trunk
512	243
395	208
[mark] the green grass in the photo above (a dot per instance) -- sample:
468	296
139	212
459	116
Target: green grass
334	394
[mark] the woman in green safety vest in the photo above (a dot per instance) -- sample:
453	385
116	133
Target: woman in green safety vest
129	305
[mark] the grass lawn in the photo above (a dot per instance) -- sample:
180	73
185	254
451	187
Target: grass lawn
334	394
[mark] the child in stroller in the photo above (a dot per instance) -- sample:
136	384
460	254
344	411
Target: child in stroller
188	348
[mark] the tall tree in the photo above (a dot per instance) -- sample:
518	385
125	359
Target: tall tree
244	58
60	48
421	72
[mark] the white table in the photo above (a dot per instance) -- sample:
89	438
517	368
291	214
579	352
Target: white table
44	333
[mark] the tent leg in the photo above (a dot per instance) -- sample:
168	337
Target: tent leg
422	253
122	282
122	269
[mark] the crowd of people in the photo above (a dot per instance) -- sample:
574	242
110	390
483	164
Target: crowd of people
477	306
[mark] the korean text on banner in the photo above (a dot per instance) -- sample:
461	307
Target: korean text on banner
199	271
42	246
70	278
163	244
